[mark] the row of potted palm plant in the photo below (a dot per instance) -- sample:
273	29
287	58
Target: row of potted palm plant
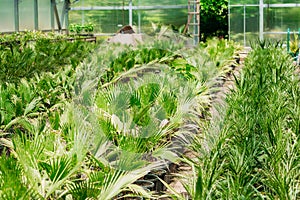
26	53
251	149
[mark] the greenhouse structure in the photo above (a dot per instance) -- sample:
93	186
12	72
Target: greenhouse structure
248	19
121	100
263	19
21	15
106	16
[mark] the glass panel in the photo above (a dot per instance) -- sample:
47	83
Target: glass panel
126	2
44	13
281	1
60	6
252	24
164	2
26	12
276	21
280	19
236	31
104	21
244	24
276	36
7	22
174	17
110	21
241	2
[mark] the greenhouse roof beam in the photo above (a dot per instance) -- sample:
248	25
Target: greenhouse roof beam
277	5
128	7
281	32
283	5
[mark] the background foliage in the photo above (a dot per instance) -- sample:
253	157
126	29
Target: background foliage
214	18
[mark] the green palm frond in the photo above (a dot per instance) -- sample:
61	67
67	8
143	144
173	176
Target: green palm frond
59	168
12	185
117	181
84	190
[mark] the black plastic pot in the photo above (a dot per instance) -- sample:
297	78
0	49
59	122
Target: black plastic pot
128	196
153	178
161	173
133	198
145	184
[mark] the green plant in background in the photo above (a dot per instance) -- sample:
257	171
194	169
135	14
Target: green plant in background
78	28
24	54
216	53
266	43
294	45
214	19
133	59
89	27
75	28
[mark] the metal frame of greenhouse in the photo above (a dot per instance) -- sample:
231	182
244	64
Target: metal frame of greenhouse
45	15
262	19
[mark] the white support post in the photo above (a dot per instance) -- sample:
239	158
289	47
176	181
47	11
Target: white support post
244	25
139	22
36	15
139	18
261	19
130	12
229	20
16	14
82	14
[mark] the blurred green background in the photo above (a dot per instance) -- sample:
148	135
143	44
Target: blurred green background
109	21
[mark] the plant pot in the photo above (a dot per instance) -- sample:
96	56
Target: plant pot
161	173
133	198
145	184
128	195
153	178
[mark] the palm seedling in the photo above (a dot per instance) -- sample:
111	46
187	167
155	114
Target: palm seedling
41	96
12	185
107	171
143	116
